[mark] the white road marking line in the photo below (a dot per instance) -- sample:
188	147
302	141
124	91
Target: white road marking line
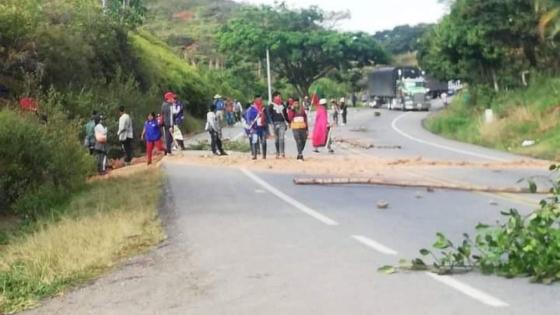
440	146
466	289
303	208
375	245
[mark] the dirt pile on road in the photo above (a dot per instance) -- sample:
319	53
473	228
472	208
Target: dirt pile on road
334	165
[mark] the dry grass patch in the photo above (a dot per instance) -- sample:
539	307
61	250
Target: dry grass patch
108	221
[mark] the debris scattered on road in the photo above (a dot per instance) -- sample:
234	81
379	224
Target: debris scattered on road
382	204
365	146
430	189
414	184
493	203
359	129
377	114
418	195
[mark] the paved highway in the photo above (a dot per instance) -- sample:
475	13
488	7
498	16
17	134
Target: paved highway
247	242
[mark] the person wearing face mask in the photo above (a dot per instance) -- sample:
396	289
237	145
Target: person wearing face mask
278	116
257	126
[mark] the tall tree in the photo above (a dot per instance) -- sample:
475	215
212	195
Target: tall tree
483	42
302	49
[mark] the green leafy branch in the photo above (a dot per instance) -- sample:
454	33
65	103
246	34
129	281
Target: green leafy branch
521	246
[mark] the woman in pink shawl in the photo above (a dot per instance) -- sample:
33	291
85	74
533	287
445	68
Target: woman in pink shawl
322	128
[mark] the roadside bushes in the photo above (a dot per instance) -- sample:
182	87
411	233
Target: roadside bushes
40	163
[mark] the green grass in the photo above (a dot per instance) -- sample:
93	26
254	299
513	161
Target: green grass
106	222
235	146
193	124
161	67
525	114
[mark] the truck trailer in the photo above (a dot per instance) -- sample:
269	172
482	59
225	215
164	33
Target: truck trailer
399	87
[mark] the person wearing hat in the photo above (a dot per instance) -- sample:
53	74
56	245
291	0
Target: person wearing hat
344	110
322	128
167	115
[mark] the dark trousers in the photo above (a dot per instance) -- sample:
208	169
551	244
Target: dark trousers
168	140
279	133
344	115
300	136
127	148
101	159
216	142
257	139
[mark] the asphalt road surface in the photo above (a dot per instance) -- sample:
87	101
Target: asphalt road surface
246	242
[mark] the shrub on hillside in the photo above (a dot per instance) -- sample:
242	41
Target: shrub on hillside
40	163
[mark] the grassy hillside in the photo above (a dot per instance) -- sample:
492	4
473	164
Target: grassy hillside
528	114
189	26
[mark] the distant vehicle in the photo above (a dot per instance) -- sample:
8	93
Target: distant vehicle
399	87
436	87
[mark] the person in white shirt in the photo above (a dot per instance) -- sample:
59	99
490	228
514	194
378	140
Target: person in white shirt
125	134
214	128
100	147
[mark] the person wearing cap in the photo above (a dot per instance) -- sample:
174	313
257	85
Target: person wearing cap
100	145
344	110
321	130
257	125
278	116
167	115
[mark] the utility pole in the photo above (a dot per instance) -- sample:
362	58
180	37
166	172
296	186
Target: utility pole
269	76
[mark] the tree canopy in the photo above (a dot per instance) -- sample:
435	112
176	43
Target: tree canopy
489	42
402	38
302	49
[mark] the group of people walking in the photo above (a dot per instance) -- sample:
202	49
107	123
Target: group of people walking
275	119
164	125
259	122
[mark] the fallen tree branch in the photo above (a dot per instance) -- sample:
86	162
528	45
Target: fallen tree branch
414	184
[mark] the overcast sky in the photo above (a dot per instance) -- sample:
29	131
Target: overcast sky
375	15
